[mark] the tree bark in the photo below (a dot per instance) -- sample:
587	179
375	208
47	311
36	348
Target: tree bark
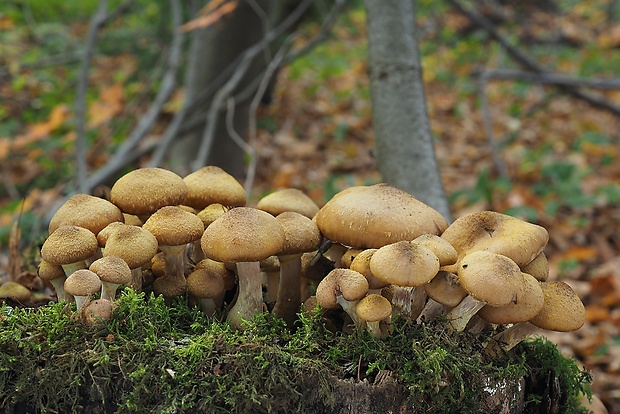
404	144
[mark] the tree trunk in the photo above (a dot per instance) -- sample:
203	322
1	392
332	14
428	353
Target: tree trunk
404	144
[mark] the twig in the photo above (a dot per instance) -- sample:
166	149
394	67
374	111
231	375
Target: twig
547	78
488	128
528	62
247	148
147	122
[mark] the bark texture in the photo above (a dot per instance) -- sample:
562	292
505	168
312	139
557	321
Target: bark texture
404	144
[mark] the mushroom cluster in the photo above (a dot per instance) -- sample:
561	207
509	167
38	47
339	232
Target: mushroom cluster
369	253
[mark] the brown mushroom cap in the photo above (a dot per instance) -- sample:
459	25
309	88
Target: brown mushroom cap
445	289
145	190
135	245
444	251
112	269
491	278
173	226
288	199
497	233
350	284
206	283
539	267
15	291
373	308
361	263
49	272
212	184
84	210
404	264
243	234
300	233
69	244
211	213
102	236
96	311
528	306
562	310
373	216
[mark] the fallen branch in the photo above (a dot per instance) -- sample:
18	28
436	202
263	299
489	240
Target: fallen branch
547	78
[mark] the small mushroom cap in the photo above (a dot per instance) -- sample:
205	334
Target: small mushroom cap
47	271
102	236
145	190
82	282
96	311
211	213
219	268
288	199
205	283
112	269
444	251
373	216
373	308
539	267
404	264
84	210
562	310
243	234
497	233
15	291
350	284
212	184
445	289
528	306
491	278
361	263
300	233
135	245
349	255
173	226
69	244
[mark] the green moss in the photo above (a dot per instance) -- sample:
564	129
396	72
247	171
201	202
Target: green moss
152	357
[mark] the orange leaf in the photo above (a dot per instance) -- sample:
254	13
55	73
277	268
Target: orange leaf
38	131
108	106
211	17
579	253
597	313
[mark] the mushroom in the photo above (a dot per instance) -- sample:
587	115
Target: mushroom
15	291
55	275
349	255
136	246
407	266
69	247
288	199
82	284
313	271
145	190
373	216
206	284
361	263
113	272
87	211
270	269
444	251
444	293
539	267
208	215
244	235
344	287
301	235
374	309
97	311
210	185
174	228
489	278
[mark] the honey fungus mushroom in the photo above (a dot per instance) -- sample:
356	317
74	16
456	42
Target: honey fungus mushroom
69	247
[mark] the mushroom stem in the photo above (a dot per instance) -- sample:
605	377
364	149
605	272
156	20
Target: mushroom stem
108	290
289	292
409	300
59	287
81	301
432	310
374	329
173	283
208	306
349	307
509	338
250	296
136	279
72	267
460	315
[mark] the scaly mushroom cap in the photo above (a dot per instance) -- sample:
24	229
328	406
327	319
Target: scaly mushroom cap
497	233
102	236
404	264
373	216
373	308
288	199
112	269
212	184
145	190
135	245
206	283
211	213
69	244
300	233
82	282
491	278
562	310
47	271
243	234
346	282
445	289
97	311
173	226
527	307
84	210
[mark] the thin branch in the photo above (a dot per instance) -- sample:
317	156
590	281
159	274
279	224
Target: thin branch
527	61
147	121
547	78
247	148
500	167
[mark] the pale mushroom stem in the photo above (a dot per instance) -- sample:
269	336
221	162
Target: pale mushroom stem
273	279
409	300
460	315
81	301
374	329
250	296
175	265
108	290
70	268
349	307
289	292
509	338
208	306
59	287
432	310
136	279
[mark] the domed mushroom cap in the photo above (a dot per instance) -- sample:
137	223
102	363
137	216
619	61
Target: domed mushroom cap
497	233
84	210
82	282
300	233
445	289
491	278
243	234
102	236
288	199
528	306
47	271
373	308
539	267
350	284
97	311
135	245
69	244
373	216
145	190
173	226
212	184
211	213
112	269
562	310
404	264
361	263
444	251
204	283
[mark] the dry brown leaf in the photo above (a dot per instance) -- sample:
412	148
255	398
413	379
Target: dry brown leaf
213	12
